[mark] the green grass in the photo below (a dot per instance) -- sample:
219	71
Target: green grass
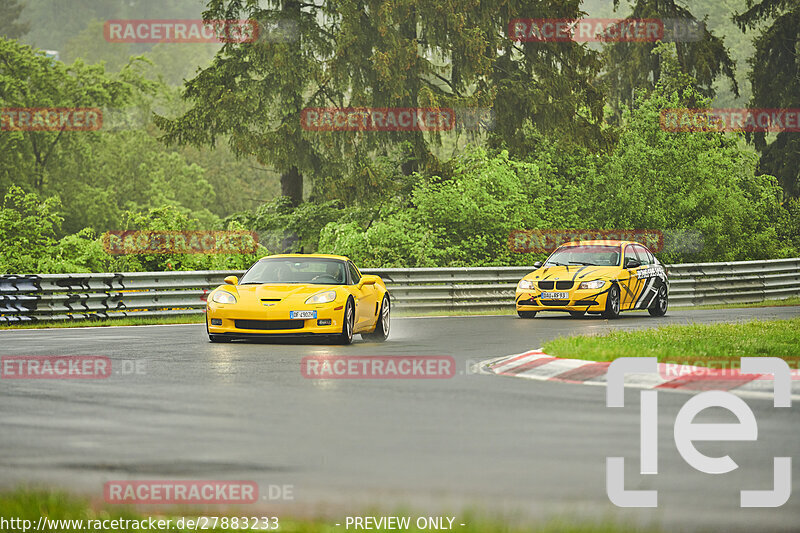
125	321
32	504
198	319
484	312
766	303
703	344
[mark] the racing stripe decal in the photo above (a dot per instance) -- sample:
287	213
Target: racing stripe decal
657	284
640	302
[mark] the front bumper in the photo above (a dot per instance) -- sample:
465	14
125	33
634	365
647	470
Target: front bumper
579	300
232	320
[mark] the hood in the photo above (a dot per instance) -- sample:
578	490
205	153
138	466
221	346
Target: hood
575	273
256	293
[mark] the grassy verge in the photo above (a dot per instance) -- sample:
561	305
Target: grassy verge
766	303
701	344
31	505
126	321
198	319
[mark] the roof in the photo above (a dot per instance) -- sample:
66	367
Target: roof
308	256
608	242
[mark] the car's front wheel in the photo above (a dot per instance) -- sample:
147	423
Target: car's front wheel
381	332
349	318
612	303
526	314
659	305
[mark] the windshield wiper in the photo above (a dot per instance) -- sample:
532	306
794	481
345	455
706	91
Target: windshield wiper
556	264
581	263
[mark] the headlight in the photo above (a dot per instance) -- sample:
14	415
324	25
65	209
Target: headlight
223	297
322	298
525	284
592	284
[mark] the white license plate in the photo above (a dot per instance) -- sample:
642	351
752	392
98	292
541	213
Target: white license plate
302	314
555	296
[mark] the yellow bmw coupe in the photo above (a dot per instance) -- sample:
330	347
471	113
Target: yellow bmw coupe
596	277
300	294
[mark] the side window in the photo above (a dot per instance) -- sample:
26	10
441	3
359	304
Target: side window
355	277
650	256
644	256
630	253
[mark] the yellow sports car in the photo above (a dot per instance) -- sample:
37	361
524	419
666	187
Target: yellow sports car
595	277
300	294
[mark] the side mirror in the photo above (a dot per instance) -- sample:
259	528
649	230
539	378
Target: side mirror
537	264
367	280
632	263
231	280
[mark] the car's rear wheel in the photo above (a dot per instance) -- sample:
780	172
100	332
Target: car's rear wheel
659	305
348	323
577	314
381	332
612	303
526	314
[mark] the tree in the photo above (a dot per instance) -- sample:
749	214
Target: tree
371	53
776	83
253	93
10	26
631	66
28	79
28	227
676	181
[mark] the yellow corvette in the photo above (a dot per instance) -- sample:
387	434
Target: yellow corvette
300	294
595	277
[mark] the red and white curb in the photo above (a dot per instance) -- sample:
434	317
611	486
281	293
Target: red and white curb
536	364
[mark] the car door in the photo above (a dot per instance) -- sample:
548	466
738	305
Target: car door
365	298
651	274
628	281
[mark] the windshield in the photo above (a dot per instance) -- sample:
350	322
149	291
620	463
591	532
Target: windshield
291	270
591	255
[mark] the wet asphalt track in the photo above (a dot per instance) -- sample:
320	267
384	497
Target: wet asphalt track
496	444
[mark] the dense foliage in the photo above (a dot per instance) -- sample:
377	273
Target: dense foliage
575	140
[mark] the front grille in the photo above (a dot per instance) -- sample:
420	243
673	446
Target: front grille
585	302
555	302
269	324
563	285
546	285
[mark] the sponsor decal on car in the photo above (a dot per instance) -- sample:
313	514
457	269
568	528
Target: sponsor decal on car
649	272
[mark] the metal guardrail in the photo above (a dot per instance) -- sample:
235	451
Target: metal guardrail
77	296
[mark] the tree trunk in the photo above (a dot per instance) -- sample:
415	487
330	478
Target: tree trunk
292	185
